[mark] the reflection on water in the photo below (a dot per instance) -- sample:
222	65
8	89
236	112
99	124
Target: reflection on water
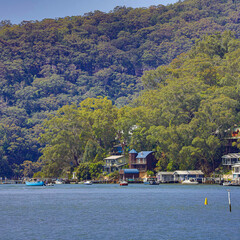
113	212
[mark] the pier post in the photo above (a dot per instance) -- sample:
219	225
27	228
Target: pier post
229	201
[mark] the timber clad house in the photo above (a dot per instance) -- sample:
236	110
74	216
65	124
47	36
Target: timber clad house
236	172
114	163
230	159
232	154
142	161
235	136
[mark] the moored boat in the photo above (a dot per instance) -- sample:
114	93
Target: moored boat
58	181
150	181
34	183
123	183
227	184
189	182
50	184
88	183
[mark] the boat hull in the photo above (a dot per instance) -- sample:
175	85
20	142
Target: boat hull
186	182
39	183
123	183
87	183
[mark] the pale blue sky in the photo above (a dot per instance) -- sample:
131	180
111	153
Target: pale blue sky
18	10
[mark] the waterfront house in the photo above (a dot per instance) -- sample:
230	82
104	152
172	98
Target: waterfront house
143	161
230	159
181	175
236	172
114	163
233	138
129	174
165	177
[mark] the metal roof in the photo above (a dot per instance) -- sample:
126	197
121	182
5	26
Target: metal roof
133	151
144	154
181	172
114	157
195	172
232	155
131	170
165	173
189	172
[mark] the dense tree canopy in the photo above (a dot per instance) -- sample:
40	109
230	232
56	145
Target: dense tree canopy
182	115
58	63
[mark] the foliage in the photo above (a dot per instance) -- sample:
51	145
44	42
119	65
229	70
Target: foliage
87	171
183	55
150	173
114	175
77	135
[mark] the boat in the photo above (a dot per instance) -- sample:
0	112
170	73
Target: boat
227	184
190	182
88	183
150	181
50	184
123	183
145	181
34	183
58	181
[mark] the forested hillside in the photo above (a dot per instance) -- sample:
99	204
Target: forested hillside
184	116
46	65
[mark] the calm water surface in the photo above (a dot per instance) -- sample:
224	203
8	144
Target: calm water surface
135	212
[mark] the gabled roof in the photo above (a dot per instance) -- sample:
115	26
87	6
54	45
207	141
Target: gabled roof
232	155
181	172
195	172
114	157
133	151
188	172
144	154
165	173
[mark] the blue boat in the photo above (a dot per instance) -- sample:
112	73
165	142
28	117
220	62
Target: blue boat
35	183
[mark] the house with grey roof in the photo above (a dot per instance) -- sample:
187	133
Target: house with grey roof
165	177
114	163
230	159
179	176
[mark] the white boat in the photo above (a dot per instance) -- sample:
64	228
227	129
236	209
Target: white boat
88	183
50	184
58	182
227	184
190	182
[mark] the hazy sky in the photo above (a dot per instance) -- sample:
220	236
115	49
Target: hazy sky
18	10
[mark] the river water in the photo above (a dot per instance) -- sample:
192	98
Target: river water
133	212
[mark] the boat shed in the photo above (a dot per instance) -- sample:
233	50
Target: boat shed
181	175
165	177
131	173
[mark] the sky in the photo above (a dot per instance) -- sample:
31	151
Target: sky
19	10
